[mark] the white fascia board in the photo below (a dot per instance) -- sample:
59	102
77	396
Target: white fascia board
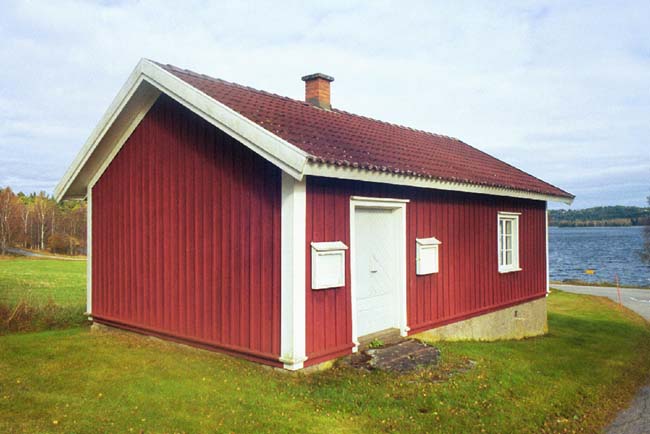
100	130
271	147
278	151
346	172
126	128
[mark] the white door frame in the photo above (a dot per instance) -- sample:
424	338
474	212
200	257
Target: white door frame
399	206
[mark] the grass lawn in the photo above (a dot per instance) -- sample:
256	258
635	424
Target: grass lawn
37	294
572	380
38	281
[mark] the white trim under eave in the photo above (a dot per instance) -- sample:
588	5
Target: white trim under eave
346	172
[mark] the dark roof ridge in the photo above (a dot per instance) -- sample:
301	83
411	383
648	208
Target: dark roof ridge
229	83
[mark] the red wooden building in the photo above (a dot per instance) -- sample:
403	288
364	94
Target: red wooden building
282	231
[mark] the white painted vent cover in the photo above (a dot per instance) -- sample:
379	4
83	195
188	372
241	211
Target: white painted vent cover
426	257
328	264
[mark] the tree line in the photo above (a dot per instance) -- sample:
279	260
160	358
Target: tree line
601	216
37	221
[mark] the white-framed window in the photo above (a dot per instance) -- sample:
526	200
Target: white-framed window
508	228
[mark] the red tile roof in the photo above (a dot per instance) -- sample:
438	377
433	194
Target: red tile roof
340	138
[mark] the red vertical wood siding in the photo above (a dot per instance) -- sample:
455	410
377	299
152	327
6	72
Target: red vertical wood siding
186	237
468	282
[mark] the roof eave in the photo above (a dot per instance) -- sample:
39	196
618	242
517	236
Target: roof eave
107	120
143	87
360	174
149	75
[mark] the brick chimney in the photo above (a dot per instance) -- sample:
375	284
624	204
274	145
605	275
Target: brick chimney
317	90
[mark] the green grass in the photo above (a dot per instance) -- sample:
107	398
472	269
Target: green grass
39	294
39	281
573	380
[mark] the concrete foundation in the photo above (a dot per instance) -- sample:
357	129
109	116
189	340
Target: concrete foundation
516	322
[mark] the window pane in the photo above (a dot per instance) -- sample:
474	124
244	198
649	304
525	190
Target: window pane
508	227
508	241
508	257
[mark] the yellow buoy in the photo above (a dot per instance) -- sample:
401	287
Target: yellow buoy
590	271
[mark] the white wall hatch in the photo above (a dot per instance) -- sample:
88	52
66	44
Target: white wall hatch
328	264
427	255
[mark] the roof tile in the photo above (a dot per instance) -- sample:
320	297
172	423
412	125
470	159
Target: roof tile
344	139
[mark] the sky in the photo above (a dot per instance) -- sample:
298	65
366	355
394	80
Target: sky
558	89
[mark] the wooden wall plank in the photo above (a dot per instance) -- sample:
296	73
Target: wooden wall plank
186	236
468	282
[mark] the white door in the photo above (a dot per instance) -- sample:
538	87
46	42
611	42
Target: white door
377	269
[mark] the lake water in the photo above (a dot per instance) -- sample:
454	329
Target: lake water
609	251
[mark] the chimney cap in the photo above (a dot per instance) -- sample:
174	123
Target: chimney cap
316	76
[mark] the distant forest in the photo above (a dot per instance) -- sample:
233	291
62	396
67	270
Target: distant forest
601	216
36	221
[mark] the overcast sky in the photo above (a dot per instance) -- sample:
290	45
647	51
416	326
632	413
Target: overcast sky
559	89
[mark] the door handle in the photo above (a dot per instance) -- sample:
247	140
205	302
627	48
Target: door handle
373	265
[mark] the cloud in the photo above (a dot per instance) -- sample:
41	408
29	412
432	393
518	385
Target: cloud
558	89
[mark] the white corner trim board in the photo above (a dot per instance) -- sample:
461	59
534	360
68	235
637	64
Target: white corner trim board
293	298
89	253
548	270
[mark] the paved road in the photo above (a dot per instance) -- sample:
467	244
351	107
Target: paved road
636	299
636	419
40	255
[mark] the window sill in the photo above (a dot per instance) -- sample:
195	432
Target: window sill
508	270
